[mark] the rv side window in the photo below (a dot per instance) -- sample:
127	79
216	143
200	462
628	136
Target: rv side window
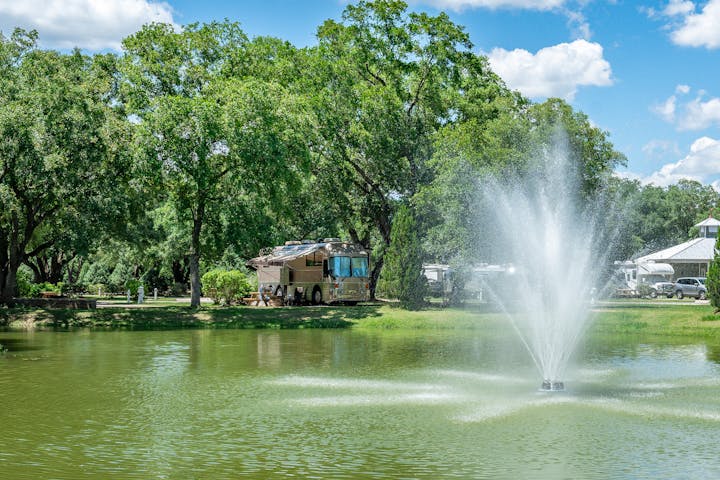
326	269
359	266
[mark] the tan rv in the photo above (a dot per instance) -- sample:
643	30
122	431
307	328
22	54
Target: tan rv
330	271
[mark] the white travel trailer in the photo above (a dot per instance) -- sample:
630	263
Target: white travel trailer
654	275
329	271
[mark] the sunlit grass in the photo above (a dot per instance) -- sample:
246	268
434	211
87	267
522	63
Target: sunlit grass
635	319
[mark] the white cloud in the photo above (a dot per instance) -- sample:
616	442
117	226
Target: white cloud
555	71
700	115
88	24
666	110
459	5
679	7
660	148
696	114
695	29
701	163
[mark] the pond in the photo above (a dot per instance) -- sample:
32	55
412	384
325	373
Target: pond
350	404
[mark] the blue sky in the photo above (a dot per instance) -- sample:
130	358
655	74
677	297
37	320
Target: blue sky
645	71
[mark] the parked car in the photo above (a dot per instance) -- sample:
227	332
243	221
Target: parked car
662	288
691	287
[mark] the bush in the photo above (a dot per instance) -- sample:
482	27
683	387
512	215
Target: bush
132	285
35	290
644	290
73	289
227	285
713	278
402	276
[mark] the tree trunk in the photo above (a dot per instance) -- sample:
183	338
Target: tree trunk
180	271
195	286
9	290
375	276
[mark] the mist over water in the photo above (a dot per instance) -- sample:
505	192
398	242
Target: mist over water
554	244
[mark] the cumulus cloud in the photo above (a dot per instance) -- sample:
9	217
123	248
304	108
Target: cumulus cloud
459	5
88	24
689	27
666	110
556	71
700	114
660	148
701	163
679	7
696	114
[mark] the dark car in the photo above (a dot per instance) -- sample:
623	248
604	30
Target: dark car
691	287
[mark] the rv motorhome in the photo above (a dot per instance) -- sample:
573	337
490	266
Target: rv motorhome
328	271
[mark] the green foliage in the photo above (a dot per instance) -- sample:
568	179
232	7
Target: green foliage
713	278
197	146
402	276
132	285
227	285
644	290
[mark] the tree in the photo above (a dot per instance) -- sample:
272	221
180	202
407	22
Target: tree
216	142
61	163
385	81
453	208
402	276
713	278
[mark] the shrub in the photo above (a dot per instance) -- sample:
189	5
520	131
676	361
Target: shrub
644	290
713	278
227	285
401	275
211	285
133	285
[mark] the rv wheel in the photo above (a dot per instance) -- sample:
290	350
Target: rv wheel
316	296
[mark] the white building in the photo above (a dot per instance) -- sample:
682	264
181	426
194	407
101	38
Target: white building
691	258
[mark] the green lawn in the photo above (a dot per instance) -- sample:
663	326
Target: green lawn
632	318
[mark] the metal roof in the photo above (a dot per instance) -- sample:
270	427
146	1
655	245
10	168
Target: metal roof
287	253
650	268
697	250
709	222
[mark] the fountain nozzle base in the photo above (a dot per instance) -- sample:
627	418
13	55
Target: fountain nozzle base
552	386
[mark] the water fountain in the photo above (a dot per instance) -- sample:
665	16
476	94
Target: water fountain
556	247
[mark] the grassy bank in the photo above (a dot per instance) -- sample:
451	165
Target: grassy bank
662	320
173	316
643	319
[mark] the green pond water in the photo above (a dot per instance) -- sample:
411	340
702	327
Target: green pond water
340	404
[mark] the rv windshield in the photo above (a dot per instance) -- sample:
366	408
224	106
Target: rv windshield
359	266
348	267
340	266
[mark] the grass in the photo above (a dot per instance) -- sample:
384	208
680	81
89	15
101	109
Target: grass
174	316
632	319
660	320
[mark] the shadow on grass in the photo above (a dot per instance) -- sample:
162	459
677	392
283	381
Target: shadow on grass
185	317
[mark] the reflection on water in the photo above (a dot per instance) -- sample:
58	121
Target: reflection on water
344	404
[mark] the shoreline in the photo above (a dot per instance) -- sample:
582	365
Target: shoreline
668	319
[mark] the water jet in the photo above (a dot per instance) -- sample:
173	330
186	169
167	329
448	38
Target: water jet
549	230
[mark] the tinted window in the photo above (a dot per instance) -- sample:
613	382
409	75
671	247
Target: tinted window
359	266
340	266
